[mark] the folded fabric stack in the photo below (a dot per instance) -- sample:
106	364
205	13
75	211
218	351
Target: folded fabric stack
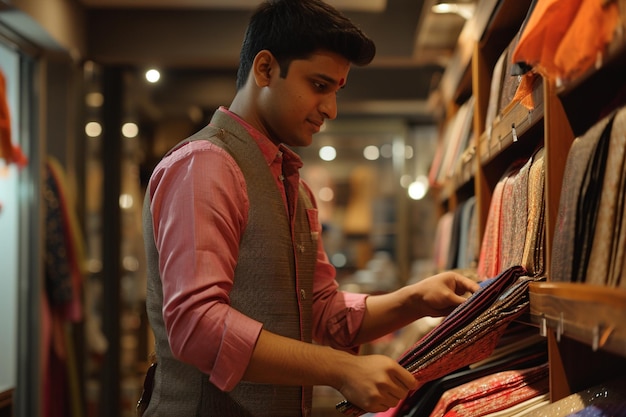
469	334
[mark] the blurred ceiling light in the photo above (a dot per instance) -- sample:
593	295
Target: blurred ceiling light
327	153
93	129
130	130
153	75
371	153
418	188
465	10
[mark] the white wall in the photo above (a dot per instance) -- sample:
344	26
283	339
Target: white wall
9	237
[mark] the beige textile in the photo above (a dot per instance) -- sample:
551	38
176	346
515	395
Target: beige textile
533	257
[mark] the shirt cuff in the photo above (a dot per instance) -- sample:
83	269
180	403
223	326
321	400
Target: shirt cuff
344	326
235	351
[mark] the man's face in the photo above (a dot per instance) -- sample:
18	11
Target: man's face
295	107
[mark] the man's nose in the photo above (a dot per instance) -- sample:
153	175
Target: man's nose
328	106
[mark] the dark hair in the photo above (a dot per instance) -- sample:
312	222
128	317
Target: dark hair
294	29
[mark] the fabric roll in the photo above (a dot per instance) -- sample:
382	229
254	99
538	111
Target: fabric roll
507	221
489	257
519	216
563	245
618	251
606	234
588	204
533	255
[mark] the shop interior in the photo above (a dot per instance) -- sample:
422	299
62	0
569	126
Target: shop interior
96	91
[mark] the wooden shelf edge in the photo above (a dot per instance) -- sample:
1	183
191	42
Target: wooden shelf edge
591	314
6	398
509	129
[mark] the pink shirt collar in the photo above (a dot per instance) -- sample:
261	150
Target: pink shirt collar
268	148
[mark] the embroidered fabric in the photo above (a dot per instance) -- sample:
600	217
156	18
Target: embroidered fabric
469	334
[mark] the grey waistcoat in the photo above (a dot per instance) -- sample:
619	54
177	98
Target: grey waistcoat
273	284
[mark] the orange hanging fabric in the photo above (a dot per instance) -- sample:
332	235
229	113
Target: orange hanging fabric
590	32
542	35
562	39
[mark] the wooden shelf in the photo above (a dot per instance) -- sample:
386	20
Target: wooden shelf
508	130
593	315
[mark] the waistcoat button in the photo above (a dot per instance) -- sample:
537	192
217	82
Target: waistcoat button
303	294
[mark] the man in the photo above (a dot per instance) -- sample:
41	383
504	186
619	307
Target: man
239	285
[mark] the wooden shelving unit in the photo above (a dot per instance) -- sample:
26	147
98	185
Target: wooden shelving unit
585	325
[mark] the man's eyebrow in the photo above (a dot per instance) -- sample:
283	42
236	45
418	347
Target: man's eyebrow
328	79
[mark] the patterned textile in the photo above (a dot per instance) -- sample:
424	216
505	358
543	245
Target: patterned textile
565	236
518	218
588	204
469	334
422	401
534	252
493	392
610	206
618	261
507	221
521	409
488	261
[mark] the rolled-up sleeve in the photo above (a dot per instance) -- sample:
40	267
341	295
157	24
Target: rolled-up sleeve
337	315
199	206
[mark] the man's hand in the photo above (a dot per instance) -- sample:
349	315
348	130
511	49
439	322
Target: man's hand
434	296
439	294
376	383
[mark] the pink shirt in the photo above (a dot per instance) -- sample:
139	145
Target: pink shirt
200	208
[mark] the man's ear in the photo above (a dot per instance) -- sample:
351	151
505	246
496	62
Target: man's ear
262	68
